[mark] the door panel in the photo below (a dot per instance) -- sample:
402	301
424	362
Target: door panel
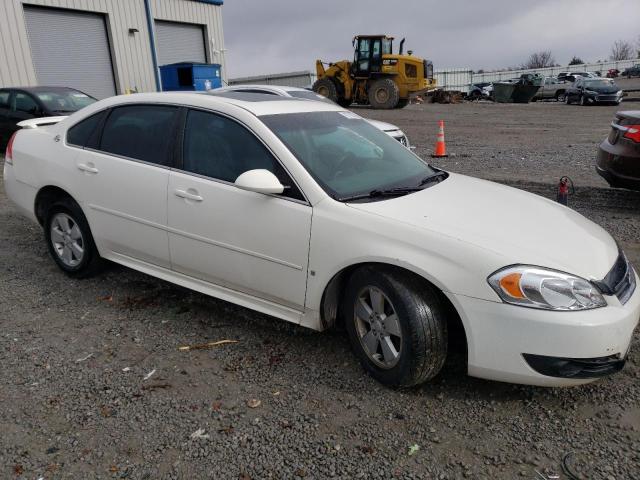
246	241
126	204
124	182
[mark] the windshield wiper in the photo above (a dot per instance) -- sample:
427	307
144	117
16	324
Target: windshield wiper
388	192
439	176
398	192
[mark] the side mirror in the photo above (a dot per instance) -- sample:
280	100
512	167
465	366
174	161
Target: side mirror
260	181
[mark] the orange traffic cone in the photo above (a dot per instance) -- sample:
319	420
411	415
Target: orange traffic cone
441	148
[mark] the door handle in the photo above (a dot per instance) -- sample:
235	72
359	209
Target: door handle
87	168
189	195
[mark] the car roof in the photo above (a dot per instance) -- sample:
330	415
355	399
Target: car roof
257	104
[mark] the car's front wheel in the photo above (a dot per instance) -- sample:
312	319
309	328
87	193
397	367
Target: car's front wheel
69	239
397	325
583	100
560	97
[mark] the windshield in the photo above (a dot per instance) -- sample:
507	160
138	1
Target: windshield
309	96
346	155
599	83
65	101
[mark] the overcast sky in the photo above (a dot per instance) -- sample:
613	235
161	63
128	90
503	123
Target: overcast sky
273	36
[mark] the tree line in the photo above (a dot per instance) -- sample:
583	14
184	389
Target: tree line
620	50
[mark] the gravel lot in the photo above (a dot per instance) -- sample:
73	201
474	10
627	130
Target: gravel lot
285	402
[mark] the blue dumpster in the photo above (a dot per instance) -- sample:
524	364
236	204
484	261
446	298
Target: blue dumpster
190	76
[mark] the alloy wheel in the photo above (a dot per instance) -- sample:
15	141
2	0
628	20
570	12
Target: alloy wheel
67	239
378	327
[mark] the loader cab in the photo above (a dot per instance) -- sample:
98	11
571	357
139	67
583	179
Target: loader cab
369	50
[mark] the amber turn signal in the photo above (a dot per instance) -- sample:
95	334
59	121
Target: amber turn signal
511	285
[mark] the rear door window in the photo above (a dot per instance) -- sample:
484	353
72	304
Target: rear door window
141	132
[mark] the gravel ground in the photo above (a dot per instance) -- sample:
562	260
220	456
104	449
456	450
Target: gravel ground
93	384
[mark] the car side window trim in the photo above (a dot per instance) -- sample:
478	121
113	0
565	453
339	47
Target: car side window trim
179	164
123	157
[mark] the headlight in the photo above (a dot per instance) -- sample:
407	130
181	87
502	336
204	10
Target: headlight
537	287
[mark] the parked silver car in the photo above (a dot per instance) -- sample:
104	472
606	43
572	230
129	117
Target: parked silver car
295	92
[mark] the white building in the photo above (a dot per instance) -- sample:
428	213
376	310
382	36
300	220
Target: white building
105	47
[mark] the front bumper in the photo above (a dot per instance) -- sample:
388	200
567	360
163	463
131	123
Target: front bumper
604	98
575	367
499	335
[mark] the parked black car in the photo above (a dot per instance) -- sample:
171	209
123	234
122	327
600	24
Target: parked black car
22	103
632	71
618	160
588	91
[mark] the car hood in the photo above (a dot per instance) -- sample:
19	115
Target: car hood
384	126
518	226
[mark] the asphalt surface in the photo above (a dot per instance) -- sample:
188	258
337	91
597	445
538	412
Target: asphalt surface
93	384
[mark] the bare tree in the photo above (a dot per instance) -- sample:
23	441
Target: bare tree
576	61
621	50
540	60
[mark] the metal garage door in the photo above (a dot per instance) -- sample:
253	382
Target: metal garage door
179	42
70	49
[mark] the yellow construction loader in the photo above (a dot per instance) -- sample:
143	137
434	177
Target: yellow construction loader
376	77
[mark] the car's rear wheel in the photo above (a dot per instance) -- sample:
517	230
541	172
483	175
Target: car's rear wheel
396	324
69	239
560	96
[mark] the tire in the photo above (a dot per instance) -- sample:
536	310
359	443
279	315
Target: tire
326	87
403	103
384	94
69	240
420	350
583	101
560	96
567	101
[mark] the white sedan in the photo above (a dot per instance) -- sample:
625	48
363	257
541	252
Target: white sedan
295	92
304	211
